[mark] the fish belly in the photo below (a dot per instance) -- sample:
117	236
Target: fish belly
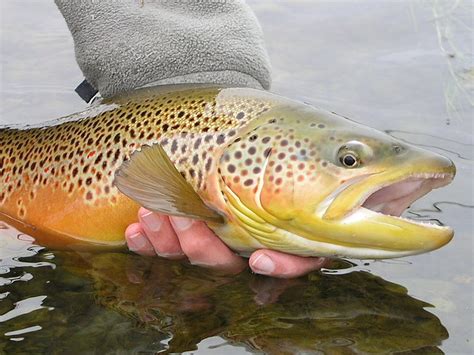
57	219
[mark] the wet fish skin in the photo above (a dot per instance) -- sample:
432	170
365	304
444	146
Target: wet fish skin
266	170
56	179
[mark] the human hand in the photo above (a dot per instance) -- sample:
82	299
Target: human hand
178	238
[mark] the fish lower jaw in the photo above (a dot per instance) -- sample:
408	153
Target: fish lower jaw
425	224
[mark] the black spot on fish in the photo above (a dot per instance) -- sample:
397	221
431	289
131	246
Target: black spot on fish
231	168
220	139
208	164
174	146
248	182
197	143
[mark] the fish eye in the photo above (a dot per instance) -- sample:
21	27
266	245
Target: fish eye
353	154
349	160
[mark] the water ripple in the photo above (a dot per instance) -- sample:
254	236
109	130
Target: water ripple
25	306
18	252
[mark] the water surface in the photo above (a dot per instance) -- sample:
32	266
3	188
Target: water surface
404	67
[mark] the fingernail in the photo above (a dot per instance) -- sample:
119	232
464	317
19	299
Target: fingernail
152	221
181	223
136	242
200	263
263	264
170	255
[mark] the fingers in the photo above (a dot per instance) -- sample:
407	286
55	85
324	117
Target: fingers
161	234
204	248
137	240
176	237
276	264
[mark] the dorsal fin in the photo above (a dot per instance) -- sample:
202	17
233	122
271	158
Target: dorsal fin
152	180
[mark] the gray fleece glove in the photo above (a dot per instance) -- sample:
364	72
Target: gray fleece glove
125	44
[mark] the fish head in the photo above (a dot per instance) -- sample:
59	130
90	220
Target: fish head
310	182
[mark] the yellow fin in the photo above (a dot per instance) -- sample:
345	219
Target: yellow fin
152	180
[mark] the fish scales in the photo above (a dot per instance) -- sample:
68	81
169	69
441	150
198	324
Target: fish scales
58	175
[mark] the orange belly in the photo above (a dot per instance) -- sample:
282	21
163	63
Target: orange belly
60	220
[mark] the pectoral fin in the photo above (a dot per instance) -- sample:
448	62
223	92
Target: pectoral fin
152	180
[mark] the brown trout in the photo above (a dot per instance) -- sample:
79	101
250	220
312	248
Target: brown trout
263	171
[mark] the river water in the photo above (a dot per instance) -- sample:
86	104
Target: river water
405	67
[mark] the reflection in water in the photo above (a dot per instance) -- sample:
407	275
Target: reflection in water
117	301
425	214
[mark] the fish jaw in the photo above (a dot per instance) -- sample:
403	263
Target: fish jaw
364	234
368	223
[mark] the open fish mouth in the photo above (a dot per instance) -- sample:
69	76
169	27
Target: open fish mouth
369	210
393	199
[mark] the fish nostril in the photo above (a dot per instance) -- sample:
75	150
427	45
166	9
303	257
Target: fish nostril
397	149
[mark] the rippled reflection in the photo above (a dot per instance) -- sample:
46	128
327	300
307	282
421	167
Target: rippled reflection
97	302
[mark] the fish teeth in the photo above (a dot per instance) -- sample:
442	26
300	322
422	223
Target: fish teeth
431	175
